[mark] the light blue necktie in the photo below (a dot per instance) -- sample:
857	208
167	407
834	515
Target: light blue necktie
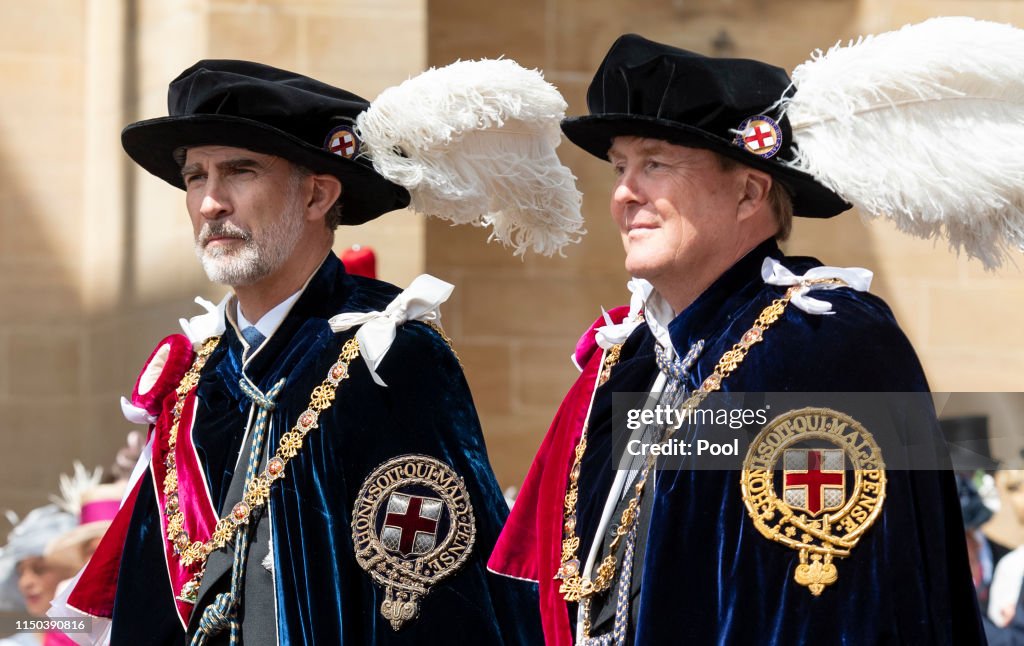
253	337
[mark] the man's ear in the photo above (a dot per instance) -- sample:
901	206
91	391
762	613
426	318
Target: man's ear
326	191
753	192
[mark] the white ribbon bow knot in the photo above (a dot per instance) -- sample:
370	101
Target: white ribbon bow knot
611	333
774	273
419	302
202	327
136	415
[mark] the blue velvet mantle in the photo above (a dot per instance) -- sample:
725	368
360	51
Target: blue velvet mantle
322	595
709	577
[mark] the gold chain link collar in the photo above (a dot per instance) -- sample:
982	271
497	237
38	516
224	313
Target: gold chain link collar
576	588
191	553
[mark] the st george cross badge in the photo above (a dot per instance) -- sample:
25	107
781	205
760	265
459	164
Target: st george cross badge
760	135
814	480
342	141
412	525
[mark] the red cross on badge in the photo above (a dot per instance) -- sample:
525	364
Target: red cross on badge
410	526
759	135
342	141
815	479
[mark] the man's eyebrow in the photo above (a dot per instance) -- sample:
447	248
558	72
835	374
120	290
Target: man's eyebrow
227	164
240	162
190	169
614	154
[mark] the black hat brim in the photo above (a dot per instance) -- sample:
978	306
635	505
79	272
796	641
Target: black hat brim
153	142
594	134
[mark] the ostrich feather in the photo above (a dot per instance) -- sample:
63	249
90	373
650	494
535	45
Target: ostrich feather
923	126
73	487
474	142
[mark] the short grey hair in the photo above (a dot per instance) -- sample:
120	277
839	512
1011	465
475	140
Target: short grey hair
333	216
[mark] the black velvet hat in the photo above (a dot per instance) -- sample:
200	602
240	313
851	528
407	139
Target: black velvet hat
271	111
647	89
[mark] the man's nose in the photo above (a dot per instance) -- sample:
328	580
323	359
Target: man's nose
214	204
626	189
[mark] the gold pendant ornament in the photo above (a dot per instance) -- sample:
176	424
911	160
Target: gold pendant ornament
821	512
412	526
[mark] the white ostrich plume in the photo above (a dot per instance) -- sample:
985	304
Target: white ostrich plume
474	142
74	487
923	126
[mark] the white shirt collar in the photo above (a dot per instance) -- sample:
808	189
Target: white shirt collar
270	321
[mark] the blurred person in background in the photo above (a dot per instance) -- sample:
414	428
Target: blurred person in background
29	578
979	551
1005	529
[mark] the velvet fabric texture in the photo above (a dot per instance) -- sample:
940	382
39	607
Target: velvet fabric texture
322	596
708	575
649	89
268	110
530	544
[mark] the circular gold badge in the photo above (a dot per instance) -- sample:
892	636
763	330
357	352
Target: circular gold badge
814	480
412	526
759	134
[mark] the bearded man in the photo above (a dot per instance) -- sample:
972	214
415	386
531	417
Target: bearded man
304	488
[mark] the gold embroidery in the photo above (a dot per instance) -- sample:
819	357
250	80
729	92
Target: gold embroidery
412	525
814	484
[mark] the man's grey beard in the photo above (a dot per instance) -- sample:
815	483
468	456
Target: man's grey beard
256	258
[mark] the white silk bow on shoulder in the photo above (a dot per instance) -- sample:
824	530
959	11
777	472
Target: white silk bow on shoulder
200	328
615	333
419	302
774	273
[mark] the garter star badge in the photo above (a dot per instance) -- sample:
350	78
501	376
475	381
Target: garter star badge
412	526
814	480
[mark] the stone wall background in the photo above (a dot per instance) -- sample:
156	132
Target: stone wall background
96	261
95	255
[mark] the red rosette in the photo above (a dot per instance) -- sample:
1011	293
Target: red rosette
162	373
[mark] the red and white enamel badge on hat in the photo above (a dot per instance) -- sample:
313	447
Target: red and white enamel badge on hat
342	141
759	135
